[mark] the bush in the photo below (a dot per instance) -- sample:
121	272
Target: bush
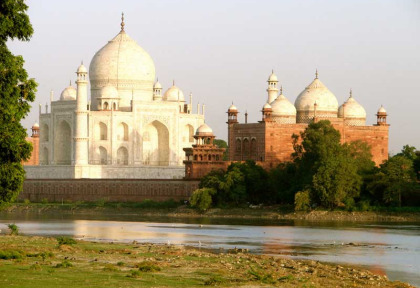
110	268
14	229
11	254
364	205
202	198
64	264
147	266
350	204
135	274
26	201
302	201
63	240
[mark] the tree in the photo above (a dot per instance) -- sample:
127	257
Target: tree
202	198
222	144
329	170
16	92
400	178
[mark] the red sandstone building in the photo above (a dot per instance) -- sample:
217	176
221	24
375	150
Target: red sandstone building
270	140
34	139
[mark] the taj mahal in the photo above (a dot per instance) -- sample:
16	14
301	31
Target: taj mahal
128	129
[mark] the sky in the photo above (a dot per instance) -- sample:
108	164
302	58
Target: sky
223	51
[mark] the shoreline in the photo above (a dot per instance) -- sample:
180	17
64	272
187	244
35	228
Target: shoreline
43	261
263	213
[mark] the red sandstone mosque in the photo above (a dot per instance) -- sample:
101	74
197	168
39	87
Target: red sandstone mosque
269	142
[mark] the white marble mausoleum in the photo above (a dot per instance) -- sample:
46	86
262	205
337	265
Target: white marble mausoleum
127	128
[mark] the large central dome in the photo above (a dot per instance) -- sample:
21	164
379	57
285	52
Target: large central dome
316	93
125	65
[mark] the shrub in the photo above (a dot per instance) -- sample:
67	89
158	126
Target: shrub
120	263
11	254
147	266
135	274
202	198
350	204
26	201
14	229
64	264
63	240
364	205
302	201
110	268
44	201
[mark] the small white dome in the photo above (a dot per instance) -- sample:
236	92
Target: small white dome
109	91
232	108
174	94
318	93
36	125
157	85
272	77
351	109
68	94
82	69
204	130
382	110
282	107
266	106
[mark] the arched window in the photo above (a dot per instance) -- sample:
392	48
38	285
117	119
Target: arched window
45	156
62	144
189	133
114	106
106	106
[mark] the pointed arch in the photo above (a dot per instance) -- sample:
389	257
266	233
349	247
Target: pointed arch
103	156
45	156
188	133
122	132
156	144
62	145
122	156
101	131
44	133
245	149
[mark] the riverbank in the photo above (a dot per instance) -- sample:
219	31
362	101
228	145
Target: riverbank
42	262
173	210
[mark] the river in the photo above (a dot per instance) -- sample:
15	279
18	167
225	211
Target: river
385	248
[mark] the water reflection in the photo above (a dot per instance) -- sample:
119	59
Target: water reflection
392	250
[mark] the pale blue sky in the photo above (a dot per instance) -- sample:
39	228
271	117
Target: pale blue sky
224	51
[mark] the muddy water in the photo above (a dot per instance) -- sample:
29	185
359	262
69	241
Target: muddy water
386	249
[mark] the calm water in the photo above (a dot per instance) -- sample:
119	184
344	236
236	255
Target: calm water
386	249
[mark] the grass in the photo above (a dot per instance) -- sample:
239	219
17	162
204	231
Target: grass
89	264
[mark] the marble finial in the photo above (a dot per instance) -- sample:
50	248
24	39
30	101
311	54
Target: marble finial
351	93
281	89
316	74
122	21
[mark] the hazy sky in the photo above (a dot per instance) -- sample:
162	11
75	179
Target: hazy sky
224	51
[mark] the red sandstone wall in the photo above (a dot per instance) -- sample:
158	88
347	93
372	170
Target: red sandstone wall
113	190
275	142
34	160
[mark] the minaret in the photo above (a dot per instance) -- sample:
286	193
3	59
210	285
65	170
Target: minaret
272	87
81	138
232	120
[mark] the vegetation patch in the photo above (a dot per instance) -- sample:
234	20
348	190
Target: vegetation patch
147	266
63	240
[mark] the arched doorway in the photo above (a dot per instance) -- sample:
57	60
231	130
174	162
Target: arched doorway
156	144
63	141
122	156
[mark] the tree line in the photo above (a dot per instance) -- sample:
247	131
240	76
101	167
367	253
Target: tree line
323	173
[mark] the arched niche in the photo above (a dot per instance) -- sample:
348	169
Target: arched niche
122	156
103	156
44	133
122	132
62	146
101	131
156	144
188	133
44	156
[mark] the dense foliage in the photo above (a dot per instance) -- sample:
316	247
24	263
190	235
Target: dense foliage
16	92
323	173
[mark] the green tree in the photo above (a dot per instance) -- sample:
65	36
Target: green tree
202	198
330	170
400	177
16	92
222	144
